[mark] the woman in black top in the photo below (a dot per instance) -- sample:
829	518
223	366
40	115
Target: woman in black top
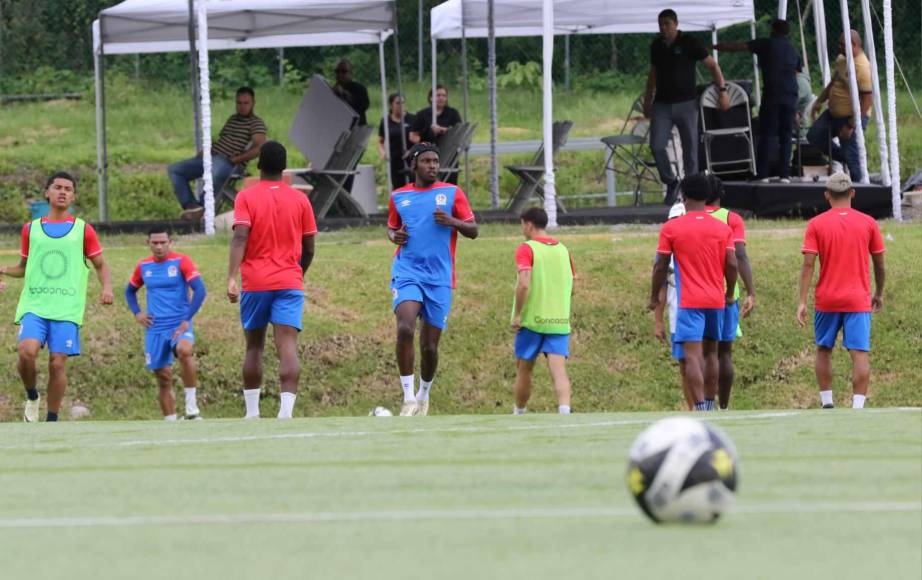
398	132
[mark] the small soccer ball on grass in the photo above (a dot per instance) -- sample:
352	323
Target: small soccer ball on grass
682	470
380	412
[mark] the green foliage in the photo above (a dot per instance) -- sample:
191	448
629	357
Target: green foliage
232	70
518	75
293	80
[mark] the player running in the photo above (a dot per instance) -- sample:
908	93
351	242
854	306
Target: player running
53	261
272	248
842	237
720	383
167	323
424	219
704	259
541	309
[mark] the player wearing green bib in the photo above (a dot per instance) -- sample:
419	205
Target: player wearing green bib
54	255
541	309
719	381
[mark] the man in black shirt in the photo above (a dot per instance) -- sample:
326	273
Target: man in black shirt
423	129
354	93
673	57
780	62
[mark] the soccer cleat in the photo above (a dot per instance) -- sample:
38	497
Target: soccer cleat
409	409
829	406
30	413
422	408
193	416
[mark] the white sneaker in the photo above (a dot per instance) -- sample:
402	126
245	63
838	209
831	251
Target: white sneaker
409	409
196	415
248	417
784	180
30	413
422	408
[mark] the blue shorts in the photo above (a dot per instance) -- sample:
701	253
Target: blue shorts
729	323
697	324
678	351
61	336
855	326
436	300
159	346
258	309
529	344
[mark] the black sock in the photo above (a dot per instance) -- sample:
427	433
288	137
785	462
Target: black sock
52	416
32	393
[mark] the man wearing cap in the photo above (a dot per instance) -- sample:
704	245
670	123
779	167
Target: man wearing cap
843	238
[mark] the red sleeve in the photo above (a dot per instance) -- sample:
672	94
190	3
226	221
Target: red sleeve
137	280
242	210
308	223
731	245
393	217
739	228
462	209
877	241
91	247
187	267
24	246
524	257
665	240
810	246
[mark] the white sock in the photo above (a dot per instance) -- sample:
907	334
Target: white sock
519	411
423	393
563	409
407	383
251	399
826	397
858	401
169	417
286	405
191	404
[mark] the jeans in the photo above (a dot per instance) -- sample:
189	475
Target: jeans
683	115
847	150
182	172
776	128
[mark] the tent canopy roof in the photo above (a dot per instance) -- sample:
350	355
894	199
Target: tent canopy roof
143	26
523	17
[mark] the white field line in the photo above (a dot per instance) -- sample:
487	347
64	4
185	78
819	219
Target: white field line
788	508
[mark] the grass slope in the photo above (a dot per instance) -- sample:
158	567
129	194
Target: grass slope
347	346
822	495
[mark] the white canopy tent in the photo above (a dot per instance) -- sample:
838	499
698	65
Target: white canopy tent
149	26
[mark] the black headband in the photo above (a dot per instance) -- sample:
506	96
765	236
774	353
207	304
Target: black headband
421	148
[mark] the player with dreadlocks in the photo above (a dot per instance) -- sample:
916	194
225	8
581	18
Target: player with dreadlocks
424	219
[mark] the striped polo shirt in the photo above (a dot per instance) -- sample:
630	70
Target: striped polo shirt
237	133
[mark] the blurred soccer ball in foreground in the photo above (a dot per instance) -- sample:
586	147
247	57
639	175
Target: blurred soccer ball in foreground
682	470
380	412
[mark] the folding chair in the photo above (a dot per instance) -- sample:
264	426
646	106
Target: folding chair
226	195
531	175
452	144
329	183
725	126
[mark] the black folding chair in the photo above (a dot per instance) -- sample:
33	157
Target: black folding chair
329	183
531	176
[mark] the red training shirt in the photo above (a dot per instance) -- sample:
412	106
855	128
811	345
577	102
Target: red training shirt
91	246
699	244
843	238
278	217
734	220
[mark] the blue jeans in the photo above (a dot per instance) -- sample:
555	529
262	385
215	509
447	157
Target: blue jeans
776	127
847	150
683	115
182	172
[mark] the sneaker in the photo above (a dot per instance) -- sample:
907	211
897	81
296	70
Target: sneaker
830	406
409	409
784	180
422	408
30	413
192	213
193	416
672	193
248	417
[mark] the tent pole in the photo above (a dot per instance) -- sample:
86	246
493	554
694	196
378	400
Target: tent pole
755	67
891	111
419	54
714	40
550	192
871	51
102	154
853	89
782	9
566	62
194	79
494	117
434	82
819	23
465	97
803	42
403	133
207	180
385	113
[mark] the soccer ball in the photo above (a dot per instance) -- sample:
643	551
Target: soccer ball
682	470
380	412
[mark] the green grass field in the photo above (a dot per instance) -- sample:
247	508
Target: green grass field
823	494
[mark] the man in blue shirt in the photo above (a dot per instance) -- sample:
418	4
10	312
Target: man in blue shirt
424	219
169	277
780	62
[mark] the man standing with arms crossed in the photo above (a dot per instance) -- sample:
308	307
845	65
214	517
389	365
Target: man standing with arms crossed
842	238
272	248
54	253
704	260
424	219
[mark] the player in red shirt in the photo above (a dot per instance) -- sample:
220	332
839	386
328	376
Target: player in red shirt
842	238
704	260
272	248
